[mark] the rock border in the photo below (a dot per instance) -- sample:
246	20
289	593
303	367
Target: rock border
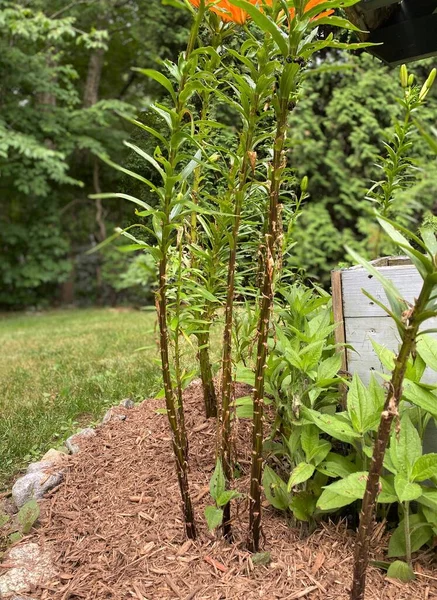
41	477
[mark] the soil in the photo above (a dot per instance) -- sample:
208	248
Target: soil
116	531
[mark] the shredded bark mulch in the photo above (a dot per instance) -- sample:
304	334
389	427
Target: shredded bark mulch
116	531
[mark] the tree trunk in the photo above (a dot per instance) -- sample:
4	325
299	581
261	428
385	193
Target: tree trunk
91	97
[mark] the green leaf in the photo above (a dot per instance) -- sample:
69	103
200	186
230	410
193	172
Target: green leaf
400	570
28	515
275	489
336	22
244	407
265	24
429	498
227	496
160	78
427	348
217	484
420	396
422	262
351	488
331	424
261	558
300	473
387	357
420	533
405	447
303	505
336	465
425	467
406	491
397	304
359	405
214	517
15	537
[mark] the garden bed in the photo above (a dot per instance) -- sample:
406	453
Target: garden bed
116	531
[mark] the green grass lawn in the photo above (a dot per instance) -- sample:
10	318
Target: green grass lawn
62	369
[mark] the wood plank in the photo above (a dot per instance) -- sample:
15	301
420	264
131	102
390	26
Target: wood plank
356	304
360	332
337	308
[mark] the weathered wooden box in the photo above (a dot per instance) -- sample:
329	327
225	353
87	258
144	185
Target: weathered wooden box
360	320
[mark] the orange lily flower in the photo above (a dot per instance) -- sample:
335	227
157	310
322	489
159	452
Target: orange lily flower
226	10
229	12
311	4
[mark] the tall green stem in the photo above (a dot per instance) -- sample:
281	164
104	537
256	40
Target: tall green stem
267	293
389	412
226	389
407	532
174	410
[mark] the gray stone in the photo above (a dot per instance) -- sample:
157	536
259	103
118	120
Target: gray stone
127	403
74	441
41	465
29	566
35	485
55	456
113	415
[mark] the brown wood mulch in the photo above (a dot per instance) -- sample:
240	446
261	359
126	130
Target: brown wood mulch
116	531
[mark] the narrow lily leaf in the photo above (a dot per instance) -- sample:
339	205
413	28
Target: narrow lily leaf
265	24
397	303
160	78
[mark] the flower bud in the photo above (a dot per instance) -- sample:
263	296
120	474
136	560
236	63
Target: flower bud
404	76
214	157
427	85
411	79
304	184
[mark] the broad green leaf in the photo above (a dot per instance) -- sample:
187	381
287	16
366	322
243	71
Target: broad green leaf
427	348
244	407
214	517
343	492
429	498
387	495
405	447
227	496
331	424
275	489
331	500
420	396
217	484
299	474
321	452
28	515
336	465
309	438
359	405
405	490
303	505
424	467
420	533
401	570
329	368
